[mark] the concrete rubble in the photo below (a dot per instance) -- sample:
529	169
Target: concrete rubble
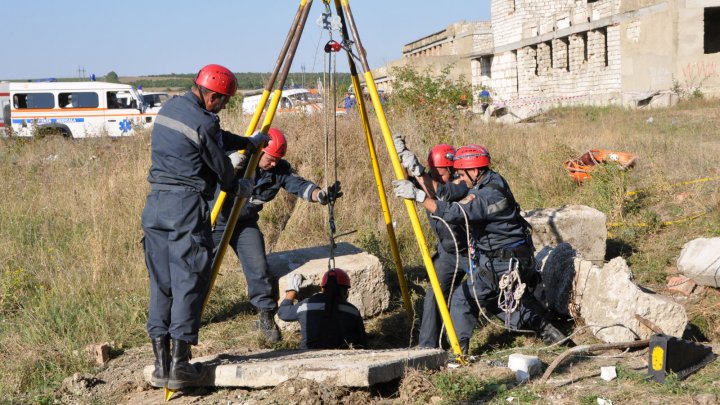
602	296
582	227
346	368
369	291
607	296
700	261
524	366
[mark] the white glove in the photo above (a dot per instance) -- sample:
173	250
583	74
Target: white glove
258	138
405	189
410	162
295	282
245	188
330	193
238	160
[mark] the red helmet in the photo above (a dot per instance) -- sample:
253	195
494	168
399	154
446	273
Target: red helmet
441	156
340	276
471	157
218	79
277	145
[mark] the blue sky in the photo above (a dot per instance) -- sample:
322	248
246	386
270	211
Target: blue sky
49	38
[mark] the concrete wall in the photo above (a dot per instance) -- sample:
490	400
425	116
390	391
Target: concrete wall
692	68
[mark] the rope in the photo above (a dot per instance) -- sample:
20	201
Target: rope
511	290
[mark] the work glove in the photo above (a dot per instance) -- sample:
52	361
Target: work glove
258	138
245	188
239	160
331	193
399	143
410	162
295	282
406	189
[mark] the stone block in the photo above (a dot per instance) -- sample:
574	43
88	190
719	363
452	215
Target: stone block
345	368
700	261
369	291
582	227
100	352
524	366
607	299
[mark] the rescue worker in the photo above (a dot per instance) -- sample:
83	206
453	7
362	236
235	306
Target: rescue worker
187	162
272	174
450	258
327	320
500	244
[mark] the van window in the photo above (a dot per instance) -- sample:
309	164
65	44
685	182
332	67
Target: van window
33	100
78	100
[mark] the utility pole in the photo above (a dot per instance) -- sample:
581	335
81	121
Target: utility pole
302	67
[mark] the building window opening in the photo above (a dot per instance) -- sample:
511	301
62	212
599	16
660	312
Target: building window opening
712	30
534	51
486	67
584	44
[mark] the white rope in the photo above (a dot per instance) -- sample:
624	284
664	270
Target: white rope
481	310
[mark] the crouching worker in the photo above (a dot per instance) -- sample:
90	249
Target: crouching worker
273	173
327	320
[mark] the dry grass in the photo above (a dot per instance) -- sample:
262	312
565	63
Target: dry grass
73	272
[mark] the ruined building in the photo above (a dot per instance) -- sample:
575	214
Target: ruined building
541	54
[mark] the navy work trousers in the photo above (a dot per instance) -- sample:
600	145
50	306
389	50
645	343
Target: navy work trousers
482	288
249	246
445	268
178	253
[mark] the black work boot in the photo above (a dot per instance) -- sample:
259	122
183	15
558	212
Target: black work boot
267	327
161	348
182	373
550	334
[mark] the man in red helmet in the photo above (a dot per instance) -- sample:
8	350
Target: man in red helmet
501	245
188	161
273	173
327	320
451	251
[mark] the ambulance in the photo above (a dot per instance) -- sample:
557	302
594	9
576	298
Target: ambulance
74	109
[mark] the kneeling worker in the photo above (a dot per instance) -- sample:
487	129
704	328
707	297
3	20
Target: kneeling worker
327	320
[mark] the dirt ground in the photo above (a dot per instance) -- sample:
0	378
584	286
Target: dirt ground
576	380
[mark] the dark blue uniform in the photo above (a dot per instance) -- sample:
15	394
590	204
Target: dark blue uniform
320	328
188	162
446	261
498	234
248	241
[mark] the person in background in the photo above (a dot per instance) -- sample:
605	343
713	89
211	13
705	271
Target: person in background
327	320
187	162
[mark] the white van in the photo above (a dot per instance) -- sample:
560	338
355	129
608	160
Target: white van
75	109
291	100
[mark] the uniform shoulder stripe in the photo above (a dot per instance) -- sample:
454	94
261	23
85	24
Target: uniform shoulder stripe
181	127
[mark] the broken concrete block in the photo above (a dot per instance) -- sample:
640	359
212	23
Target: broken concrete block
608	300
557	266
681	284
608	373
582	227
345	368
700	261
369	291
101	352
524	366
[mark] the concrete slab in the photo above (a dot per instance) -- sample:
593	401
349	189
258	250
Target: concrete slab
346	368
